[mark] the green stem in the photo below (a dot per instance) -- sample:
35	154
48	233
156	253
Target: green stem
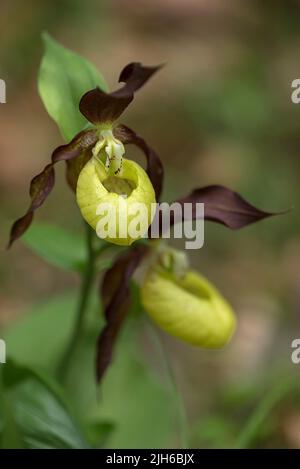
256	420
178	400
85	290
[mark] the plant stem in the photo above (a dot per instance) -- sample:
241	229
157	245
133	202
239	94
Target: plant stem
85	290
178	400
256	420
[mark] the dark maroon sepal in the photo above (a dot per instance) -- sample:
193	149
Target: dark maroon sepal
115	293
83	141
224	206
42	184
40	187
155	169
98	106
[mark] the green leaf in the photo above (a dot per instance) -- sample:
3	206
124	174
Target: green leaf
99	432
40	414
64	77
255	424
150	409
57	246
214	431
9	433
39	338
131	393
47	327
2	414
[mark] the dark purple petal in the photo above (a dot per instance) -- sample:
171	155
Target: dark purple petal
42	184
224	206
76	154
155	169
98	106
116	297
135	75
74	168
40	187
19	227
81	142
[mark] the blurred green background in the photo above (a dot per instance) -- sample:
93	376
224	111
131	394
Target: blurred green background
219	112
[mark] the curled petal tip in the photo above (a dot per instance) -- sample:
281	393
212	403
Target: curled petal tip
100	107
135	74
224	206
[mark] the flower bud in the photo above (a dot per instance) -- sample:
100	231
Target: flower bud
119	205
188	307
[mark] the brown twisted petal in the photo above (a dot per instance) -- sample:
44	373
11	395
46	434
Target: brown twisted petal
155	169
224	206
98	106
81	142
42	184
76	154
40	187
115	292
135	75
74	168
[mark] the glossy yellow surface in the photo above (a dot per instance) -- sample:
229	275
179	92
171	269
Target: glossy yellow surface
123	192
189	308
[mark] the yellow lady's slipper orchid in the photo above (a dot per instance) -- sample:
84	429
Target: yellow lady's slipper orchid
188	307
118	205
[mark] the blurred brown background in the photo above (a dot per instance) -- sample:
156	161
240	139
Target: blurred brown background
219	112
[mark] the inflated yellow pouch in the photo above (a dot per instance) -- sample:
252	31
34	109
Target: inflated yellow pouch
188	307
124	198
